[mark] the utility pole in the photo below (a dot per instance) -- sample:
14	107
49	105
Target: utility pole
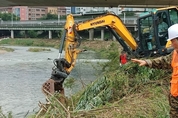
12	17
58	17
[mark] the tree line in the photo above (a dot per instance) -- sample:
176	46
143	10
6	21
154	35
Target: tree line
48	16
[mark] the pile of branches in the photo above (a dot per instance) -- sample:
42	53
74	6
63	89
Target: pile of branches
104	95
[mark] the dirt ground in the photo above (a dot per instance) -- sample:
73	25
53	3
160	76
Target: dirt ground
3	51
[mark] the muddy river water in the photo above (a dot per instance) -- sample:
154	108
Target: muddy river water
22	73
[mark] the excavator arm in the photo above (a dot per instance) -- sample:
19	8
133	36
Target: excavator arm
112	21
71	40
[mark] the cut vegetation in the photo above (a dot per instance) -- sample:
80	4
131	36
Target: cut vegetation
130	91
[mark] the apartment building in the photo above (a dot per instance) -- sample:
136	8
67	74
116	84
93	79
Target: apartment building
52	10
25	12
5	9
21	12
68	10
84	10
116	10
62	11
35	13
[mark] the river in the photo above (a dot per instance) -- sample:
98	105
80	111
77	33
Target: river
22	74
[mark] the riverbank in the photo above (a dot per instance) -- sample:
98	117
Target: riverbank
120	92
23	73
93	44
100	46
3	51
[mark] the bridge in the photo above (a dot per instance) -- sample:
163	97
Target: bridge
91	3
51	25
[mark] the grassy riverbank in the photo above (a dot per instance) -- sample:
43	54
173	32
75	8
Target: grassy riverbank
87	44
102	47
127	92
31	42
119	92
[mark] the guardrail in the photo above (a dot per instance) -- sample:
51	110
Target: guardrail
48	23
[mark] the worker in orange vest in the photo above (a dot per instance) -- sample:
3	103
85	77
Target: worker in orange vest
168	62
123	58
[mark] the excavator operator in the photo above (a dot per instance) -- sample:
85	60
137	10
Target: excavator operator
162	27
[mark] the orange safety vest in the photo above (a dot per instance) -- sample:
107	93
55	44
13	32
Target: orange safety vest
174	81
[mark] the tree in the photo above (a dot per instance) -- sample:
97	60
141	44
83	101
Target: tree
49	16
8	17
32	34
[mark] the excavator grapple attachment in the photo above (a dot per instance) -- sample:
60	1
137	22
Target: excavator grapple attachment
51	86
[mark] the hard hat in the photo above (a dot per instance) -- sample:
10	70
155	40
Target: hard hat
172	32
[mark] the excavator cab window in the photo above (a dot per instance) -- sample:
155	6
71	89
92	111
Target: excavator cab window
153	30
161	26
173	13
164	19
146	33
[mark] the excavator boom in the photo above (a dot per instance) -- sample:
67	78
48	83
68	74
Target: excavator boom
112	21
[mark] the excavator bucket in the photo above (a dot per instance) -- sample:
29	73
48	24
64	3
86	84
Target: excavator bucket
52	86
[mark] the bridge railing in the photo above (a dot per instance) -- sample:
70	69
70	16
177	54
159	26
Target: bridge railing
50	23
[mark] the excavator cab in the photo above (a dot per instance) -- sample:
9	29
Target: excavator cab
153	31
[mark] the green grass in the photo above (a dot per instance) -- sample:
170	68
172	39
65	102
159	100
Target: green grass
130	91
31	42
120	92
38	49
7	49
2	115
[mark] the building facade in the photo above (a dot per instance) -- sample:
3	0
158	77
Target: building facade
5	9
62	11
21	12
34	13
52	10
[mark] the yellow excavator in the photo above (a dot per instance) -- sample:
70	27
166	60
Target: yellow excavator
151	40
